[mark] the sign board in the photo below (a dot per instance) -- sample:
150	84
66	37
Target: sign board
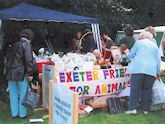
116	54
95	82
47	74
63	105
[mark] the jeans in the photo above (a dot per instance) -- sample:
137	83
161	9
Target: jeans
141	87
17	88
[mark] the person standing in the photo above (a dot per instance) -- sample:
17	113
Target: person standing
144	69
129	40
153	32
76	41
88	43
19	72
108	41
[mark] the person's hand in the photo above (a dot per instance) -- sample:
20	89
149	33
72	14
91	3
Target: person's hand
158	76
126	51
30	78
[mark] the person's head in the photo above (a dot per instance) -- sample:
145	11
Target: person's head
79	34
105	36
87	30
128	30
122	48
145	34
27	33
151	30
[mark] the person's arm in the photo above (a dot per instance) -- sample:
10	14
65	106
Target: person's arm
92	44
74	44
158	58
28	59
133	51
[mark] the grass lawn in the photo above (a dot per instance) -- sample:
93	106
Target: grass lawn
5	115
95	118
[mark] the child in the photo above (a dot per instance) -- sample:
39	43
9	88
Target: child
123	48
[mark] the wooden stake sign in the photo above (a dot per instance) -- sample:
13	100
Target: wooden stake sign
63	105
48	72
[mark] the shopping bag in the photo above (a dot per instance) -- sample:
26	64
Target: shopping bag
115	105
158	92
31	99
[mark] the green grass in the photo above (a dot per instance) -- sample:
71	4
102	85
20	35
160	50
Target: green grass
105	118
5	115
94	118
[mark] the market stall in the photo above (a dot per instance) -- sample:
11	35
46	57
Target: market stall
31	13
25	12
81	74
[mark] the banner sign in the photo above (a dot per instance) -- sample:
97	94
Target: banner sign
95	82
47	75
63	105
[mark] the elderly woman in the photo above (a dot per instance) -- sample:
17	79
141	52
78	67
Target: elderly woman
144	69
153	32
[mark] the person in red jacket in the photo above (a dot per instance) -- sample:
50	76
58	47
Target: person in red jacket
76	41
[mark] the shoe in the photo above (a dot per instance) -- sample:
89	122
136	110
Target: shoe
131	112
15	117
145	112
25	117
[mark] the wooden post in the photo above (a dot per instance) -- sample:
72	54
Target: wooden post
54	73
75	108
43	85
50	100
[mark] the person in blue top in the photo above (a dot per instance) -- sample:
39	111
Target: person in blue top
144	69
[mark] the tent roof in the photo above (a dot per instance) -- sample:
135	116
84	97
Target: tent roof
25	11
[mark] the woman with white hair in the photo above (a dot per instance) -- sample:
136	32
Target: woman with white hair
144	69
153	32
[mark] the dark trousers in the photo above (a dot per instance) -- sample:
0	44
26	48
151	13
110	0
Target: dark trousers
141	87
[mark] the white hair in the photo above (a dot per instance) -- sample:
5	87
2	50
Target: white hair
145	34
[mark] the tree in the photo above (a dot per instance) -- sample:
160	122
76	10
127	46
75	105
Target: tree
112	14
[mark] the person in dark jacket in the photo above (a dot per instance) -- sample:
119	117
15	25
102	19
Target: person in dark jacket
129	40
88	43
19	72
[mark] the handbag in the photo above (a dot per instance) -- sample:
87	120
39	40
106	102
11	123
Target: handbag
31	98
124	60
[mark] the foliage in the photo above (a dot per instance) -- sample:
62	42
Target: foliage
146	12
112	14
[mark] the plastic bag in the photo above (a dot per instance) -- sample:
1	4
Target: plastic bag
158	92
88	66
60	66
